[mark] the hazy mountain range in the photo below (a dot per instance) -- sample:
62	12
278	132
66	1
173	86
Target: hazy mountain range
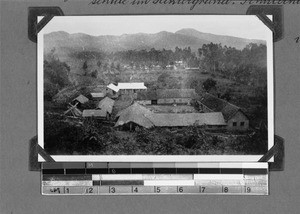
65	42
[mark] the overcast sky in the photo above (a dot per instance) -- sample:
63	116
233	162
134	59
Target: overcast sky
244	26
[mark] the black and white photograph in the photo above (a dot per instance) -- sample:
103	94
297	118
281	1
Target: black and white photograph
187	87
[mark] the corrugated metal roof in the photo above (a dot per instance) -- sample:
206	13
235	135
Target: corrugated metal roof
127	85
106	104
187	119
131	85
82	99
93	113
113	87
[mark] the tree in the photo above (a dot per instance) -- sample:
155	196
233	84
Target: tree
118	67
50	90
227	95
209	84
212	56
84	66
99	63
55	77
94	74
112	66
163	78
105	66
196	84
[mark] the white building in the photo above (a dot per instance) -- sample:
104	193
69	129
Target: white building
127	87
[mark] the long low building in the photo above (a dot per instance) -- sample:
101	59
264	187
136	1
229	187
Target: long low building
98	95
137	115
211	120
234	116
127	87
103	111
166	96
106	104
94	113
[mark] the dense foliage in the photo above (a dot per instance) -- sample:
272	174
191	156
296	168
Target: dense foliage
92	137
247	66
158	57
55	77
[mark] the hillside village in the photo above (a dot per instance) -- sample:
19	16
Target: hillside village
159	117
130	113
194	98
165	108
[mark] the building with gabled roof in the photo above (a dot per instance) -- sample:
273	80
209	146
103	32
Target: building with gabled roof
166	96
134	115
147	97
235	118
127	87
137	115
178	96
106	104
131	85
81	99
95	113
113	87
211	120
97	95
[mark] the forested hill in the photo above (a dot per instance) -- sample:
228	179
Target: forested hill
229	41
67	43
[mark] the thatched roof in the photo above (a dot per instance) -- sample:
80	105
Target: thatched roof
218	105
106	104
94	113
136	114
187	119
143	117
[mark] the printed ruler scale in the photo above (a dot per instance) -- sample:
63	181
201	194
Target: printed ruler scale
154	178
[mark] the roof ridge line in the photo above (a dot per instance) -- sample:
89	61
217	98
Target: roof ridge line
222	100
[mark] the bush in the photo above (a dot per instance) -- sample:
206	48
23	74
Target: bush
209	83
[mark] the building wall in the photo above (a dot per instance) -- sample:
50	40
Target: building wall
235	123
213	127
97	98
130	91
144	102
174	100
